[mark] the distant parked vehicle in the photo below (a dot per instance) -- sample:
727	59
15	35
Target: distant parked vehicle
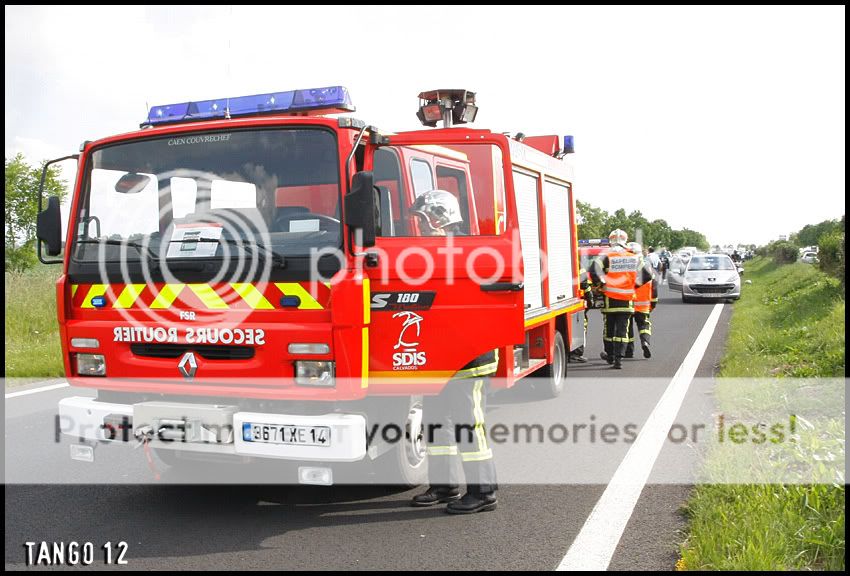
809	258
675	271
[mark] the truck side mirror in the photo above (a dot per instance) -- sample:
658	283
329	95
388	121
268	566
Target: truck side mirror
361	208
48	227
48	222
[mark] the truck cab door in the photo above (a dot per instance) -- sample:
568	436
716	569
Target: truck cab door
439	302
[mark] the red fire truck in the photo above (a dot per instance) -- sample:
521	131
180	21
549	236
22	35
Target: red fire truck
245	278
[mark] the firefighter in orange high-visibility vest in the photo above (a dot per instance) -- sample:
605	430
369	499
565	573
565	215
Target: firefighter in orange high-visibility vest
617	274
646	297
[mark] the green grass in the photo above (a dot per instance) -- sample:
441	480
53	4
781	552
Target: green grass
789	322
32	331
765	527
788	325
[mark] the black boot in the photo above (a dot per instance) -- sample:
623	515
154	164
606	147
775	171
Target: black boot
646	352
604	356
471	503
617	363
436	495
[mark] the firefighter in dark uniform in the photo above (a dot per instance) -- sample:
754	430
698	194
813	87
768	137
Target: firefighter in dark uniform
577	355
617	274
454	419
646	297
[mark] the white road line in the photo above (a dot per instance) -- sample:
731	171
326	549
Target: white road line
594	546
36	390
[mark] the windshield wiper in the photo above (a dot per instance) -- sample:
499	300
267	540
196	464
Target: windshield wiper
276	258
150	255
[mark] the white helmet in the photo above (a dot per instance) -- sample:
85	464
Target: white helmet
438	209
618	237
635	248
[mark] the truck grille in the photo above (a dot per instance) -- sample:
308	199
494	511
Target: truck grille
712	288
207	352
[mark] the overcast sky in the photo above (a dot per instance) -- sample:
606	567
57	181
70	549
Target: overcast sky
726	120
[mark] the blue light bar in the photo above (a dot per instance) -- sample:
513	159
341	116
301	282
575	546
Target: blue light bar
569	148
331	99
595	242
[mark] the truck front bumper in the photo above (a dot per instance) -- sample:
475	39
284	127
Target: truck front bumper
86	419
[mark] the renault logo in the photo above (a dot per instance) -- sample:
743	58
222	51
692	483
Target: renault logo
188	365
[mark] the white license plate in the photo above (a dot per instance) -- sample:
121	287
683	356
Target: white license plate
286	434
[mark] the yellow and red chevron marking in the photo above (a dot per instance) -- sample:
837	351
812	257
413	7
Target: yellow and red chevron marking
225	296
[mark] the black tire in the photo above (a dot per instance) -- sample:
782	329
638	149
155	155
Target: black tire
549	381
405	464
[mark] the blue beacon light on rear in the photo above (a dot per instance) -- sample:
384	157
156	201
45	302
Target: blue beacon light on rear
330	99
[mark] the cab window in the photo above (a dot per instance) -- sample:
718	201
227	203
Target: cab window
420	173
454	181
471	173
387	170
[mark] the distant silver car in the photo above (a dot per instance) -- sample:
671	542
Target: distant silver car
809	258
706	277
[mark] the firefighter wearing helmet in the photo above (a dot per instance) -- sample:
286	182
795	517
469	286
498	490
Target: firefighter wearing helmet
646	297
454	419
616	274
438	212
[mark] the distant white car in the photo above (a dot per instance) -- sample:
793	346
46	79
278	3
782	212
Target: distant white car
809	258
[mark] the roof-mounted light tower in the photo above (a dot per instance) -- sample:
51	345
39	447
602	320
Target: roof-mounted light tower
452	106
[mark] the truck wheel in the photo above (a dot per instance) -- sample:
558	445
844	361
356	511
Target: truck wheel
405	464
550	380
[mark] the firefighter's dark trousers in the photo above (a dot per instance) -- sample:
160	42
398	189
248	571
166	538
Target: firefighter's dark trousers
580	350
615	335
456	436
644	327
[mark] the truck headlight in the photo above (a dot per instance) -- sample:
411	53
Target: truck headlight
314	373
91	365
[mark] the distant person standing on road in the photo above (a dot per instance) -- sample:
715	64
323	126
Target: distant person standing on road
616	273
665	264
654	260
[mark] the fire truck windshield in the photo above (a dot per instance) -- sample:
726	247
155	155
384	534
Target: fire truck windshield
269	192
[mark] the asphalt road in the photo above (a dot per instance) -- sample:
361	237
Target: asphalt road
231	527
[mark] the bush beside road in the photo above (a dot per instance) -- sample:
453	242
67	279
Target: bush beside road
789	323
32	333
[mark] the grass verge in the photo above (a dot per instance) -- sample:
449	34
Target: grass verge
32	332
788	328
